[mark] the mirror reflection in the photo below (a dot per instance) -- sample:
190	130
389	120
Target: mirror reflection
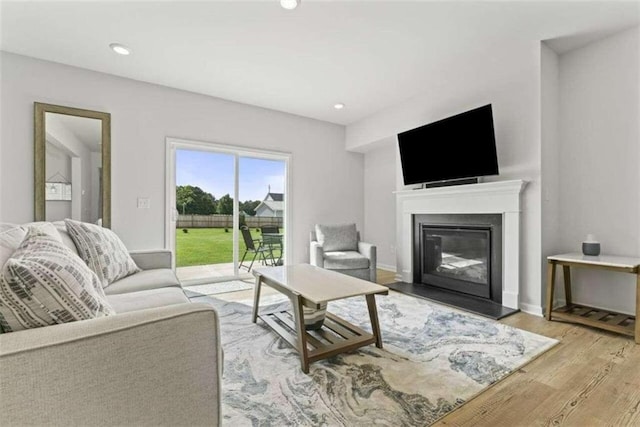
73	168
72	174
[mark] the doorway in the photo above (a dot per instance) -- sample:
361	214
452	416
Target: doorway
227	210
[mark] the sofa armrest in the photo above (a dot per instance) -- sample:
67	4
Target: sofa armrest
316	254
370	251
152	259
160	366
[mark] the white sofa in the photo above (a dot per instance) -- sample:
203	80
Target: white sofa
156	362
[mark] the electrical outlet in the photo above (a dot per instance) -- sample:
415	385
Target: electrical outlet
144	203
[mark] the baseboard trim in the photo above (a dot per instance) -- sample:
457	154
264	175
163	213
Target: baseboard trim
386	267
536	310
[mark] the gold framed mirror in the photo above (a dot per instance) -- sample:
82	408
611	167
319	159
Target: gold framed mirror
72	164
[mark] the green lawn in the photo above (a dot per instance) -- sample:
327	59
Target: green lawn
202	246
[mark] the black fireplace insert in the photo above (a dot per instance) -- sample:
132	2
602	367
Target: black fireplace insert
460	253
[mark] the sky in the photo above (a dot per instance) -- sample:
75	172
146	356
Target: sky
213	172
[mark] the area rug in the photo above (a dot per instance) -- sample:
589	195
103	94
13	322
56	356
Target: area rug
435	358
217	288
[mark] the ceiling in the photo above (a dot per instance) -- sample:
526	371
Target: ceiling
367	55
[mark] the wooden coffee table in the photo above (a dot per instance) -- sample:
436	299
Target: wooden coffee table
310	286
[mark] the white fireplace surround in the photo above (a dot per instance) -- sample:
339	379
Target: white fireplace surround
501	197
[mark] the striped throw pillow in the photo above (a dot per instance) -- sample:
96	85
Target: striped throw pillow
45	283
102	250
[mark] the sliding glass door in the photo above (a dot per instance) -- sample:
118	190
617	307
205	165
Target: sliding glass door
227	210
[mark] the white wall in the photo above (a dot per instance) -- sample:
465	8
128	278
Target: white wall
380	203
599	172
508	78
550	152
327	180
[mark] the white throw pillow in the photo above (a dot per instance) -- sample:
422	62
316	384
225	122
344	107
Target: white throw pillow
342	237
11	235
44	283
44	227
102	250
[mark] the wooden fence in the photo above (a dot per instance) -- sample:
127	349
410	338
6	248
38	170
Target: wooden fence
224	221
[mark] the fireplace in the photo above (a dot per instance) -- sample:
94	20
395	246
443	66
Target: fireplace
459	253
432	206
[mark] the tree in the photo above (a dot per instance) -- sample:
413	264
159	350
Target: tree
193	200
225	205
249	207
183	198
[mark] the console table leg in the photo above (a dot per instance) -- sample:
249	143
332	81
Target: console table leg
373	314
566	270
256	299
298	313
551	282
638	308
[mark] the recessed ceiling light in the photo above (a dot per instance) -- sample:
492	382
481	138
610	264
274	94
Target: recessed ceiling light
289	4
338	106
120	49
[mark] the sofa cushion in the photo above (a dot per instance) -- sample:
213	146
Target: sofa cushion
143	280
102	250
44	283
64	235
142	300
345	260
342	237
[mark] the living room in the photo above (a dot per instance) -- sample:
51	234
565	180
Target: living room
330	85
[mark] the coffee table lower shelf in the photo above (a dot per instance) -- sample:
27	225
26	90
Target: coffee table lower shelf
335	337
596	317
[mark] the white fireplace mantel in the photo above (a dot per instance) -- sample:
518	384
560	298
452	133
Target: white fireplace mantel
501	197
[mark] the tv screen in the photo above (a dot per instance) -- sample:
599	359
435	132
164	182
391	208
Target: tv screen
461	146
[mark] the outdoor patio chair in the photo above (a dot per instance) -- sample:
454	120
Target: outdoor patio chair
250	243
272	239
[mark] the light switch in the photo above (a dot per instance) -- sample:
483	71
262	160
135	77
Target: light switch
144	203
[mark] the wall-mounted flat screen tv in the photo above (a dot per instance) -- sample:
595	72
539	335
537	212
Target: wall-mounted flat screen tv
458	147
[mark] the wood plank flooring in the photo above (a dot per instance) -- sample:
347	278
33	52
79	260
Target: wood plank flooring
592	378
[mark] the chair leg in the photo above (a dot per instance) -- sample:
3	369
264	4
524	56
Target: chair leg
255	254
271	256
242	260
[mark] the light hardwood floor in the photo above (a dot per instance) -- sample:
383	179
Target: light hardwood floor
592	378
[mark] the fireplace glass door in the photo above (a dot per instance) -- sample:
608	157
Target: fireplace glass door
457	258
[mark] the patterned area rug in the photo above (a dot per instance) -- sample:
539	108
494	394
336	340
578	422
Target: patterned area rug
435	359
217	288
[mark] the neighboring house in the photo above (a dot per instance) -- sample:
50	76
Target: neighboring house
272	205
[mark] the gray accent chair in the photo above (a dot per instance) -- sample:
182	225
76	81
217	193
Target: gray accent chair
338	248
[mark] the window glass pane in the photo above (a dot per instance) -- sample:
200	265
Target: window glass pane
204	200
262	201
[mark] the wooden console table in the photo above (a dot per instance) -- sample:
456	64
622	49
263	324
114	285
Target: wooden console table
591	316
